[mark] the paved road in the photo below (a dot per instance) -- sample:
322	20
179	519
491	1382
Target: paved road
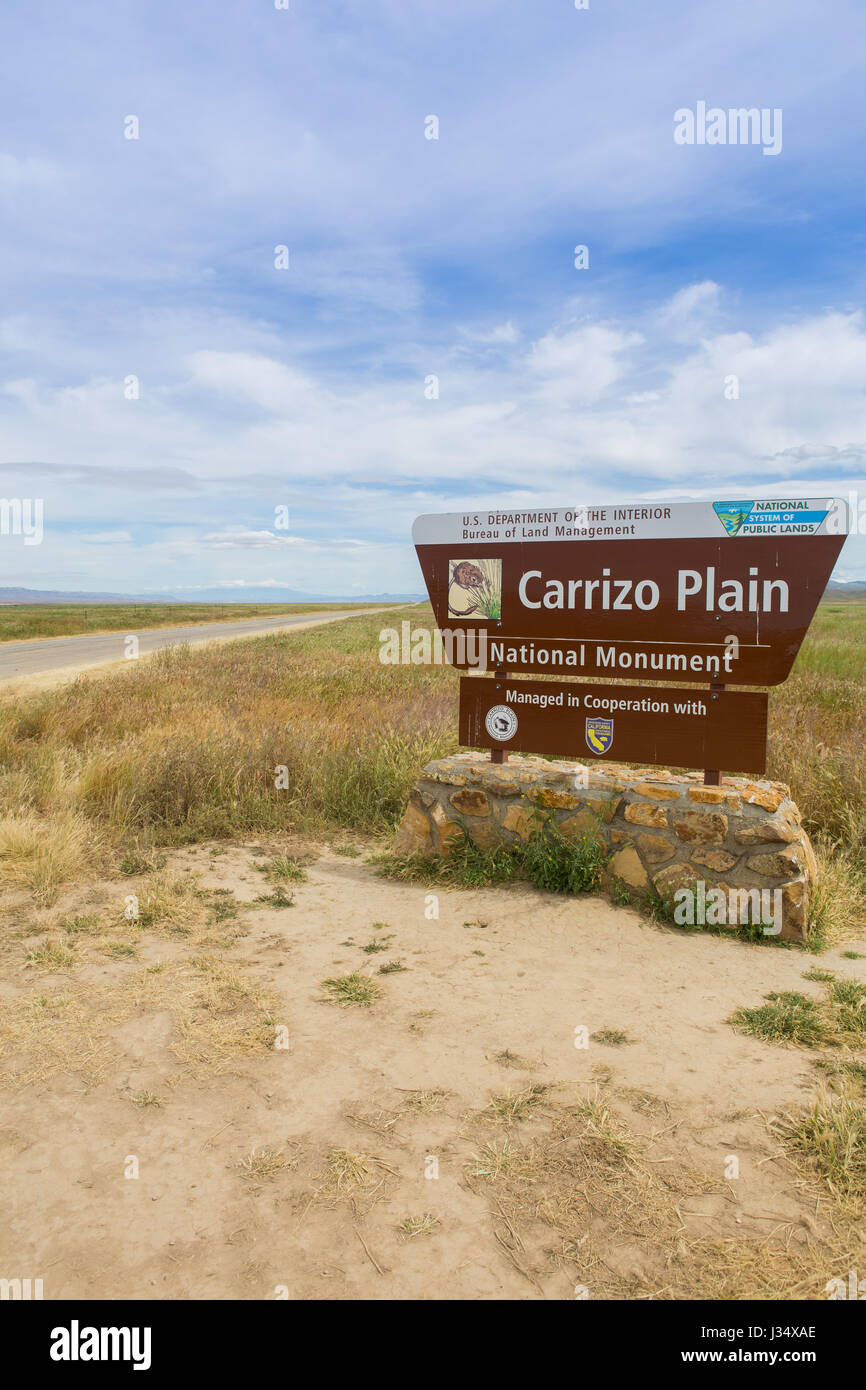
40	655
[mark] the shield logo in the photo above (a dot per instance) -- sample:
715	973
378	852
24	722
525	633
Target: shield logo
599	735
732	515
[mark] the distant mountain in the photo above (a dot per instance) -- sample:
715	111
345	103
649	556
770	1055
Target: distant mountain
268	595
846	588
62	596
263	595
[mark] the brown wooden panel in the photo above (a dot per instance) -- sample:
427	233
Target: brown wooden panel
648	724
681	605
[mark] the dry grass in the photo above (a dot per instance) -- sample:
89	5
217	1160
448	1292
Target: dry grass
265	1164
146	1099
186	746
218	1013
42	852
586	1192
816	745
506	1160
830	1137
414	1226
169	902
355	1178
72	1030
509	1108
425	1102
513	1060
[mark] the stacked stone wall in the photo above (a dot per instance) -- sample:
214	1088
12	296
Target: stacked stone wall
662	830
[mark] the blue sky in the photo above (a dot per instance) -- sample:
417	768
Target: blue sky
304	388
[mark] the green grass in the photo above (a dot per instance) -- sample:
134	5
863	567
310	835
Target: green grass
352	989
840	1068
278	897
23	620
50	956
284	869
81	926
849	999
546	859
785	1017
837	1020
558	864
380	943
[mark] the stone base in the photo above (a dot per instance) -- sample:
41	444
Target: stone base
663	830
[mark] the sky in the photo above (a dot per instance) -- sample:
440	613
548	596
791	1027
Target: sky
198	409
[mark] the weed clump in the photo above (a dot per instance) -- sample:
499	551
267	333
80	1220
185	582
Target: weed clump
549	860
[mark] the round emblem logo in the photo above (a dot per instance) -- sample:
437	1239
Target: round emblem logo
501	723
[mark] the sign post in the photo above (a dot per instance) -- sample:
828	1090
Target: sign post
713	776
499	755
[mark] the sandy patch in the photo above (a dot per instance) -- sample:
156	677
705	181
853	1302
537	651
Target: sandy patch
486	1004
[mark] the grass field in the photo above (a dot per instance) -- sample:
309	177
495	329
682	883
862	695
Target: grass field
22	620
188	746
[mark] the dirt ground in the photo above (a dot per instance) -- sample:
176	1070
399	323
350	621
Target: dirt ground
449	1140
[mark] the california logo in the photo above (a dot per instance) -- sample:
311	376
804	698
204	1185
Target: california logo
599	735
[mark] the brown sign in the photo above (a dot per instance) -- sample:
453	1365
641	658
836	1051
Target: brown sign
622	723
708	591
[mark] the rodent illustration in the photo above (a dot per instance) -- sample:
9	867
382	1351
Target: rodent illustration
465	578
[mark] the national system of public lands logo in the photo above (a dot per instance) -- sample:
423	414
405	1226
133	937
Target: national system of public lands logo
769	518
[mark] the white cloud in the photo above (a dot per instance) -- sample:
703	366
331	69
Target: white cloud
270	384
19	174
690	312
105	538
579	365
597	410
500	334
